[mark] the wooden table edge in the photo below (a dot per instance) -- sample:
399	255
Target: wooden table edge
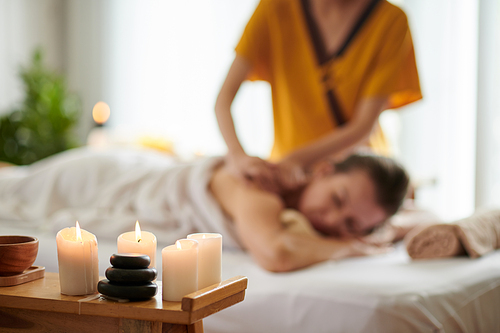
198	305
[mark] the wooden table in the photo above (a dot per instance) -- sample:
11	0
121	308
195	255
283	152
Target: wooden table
38	306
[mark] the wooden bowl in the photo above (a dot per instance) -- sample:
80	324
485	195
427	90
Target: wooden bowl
17	253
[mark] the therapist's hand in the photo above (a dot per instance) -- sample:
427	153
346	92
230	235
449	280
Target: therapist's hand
290	175
253	170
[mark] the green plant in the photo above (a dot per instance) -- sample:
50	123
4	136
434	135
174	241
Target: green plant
44	122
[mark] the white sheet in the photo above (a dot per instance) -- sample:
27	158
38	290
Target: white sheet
108	190
388	293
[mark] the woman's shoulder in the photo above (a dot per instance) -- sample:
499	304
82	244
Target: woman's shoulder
223	181
231	192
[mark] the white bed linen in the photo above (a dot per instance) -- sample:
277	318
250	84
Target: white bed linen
387	293
108	190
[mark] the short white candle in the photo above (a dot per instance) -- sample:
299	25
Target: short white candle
209	258
179	269
78	261
138	241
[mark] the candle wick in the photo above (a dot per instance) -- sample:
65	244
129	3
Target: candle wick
139	240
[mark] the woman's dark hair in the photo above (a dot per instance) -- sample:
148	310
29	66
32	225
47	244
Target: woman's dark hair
389	177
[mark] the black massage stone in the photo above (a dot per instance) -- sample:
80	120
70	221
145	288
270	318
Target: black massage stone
145	291
134	276
130	260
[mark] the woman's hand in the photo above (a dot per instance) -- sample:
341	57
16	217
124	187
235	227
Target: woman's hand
254	170
289	175
268	176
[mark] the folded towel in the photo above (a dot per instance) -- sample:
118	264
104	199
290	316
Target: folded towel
474	236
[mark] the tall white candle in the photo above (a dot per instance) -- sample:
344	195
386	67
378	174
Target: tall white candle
209	258
179	269
138	241
78	261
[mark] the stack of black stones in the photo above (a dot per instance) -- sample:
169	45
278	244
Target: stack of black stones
129	278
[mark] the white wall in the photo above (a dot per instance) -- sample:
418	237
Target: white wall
84	55
438	135
163	64
24	25
488	107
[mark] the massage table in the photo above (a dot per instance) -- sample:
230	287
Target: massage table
383	293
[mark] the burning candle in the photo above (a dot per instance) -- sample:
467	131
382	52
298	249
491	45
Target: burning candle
100	113
179	269
98	136
209	258
78	261
142	242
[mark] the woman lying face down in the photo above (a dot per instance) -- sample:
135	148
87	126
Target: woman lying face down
342	202
106	189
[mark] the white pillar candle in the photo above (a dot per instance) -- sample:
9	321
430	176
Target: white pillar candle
142	242
179	269
209	258
78	261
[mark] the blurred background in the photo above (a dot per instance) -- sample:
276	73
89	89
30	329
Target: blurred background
160	64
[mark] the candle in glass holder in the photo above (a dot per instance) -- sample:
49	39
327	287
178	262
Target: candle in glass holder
179	269
78	261
209	258
142	242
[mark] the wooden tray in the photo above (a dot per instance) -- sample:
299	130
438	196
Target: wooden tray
32	273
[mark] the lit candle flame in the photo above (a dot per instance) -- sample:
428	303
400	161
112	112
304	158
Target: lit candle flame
203	236
100	112
78	232
138	234
178	244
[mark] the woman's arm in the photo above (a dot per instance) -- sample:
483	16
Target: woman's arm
238	162
256	214
235	77
347	137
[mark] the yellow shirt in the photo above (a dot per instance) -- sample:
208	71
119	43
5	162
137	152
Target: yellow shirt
313	92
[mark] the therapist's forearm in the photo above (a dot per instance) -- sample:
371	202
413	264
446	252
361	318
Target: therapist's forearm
353	133
237	74
227	129
334	143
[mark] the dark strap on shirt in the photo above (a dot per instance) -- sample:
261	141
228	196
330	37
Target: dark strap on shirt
322	55
335	107
361	21
316	37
